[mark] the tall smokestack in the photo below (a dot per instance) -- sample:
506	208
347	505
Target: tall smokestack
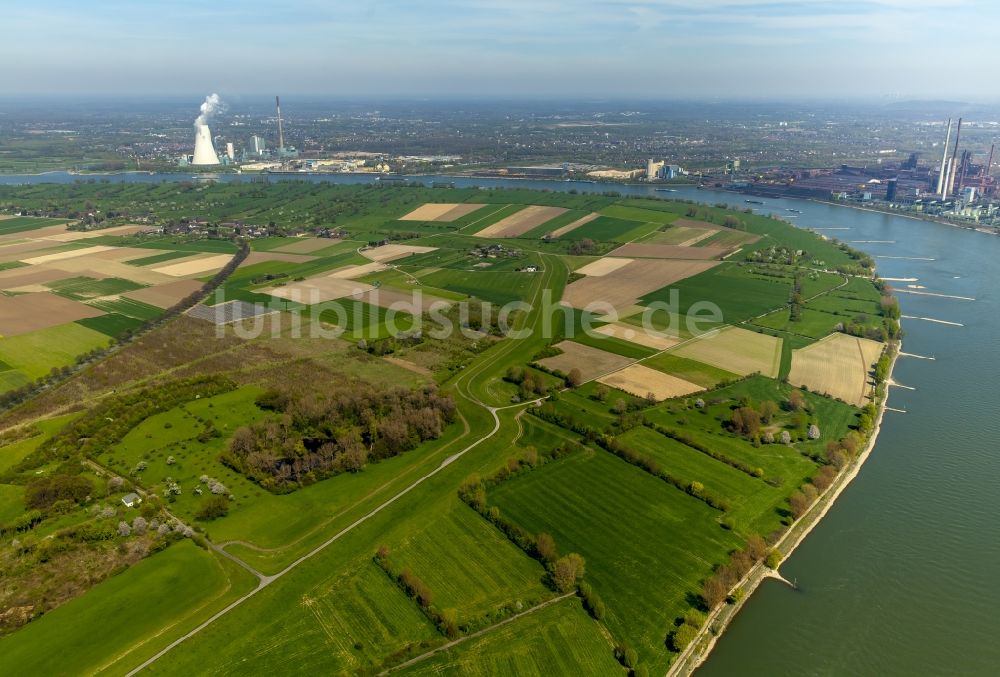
944	160
954	158
281	134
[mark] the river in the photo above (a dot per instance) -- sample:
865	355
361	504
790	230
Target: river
901	576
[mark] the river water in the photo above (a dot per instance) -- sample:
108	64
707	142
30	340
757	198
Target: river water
901	577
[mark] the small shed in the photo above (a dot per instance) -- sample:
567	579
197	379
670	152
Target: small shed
131	500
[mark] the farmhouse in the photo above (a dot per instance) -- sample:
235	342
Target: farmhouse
131	500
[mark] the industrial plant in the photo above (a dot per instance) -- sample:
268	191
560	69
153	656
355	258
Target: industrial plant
255	156
956	185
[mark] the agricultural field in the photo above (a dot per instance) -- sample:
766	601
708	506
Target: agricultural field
624	286
641	381
312	461
557	640
838	366
470	566
579	501
591	362
521	222
705	375
736	350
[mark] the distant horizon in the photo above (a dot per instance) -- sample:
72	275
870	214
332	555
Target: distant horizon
620	49
194	97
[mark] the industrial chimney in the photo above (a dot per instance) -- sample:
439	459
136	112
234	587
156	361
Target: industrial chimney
204	151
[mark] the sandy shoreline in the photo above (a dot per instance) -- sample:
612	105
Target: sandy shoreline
719	619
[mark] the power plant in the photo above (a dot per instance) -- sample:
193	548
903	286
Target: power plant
204	149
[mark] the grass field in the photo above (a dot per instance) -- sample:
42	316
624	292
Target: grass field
620	211
469	565
11	502
557	640
12	453
498	288
124	306
646	572
112	324
156	593
83	288
811	323
705	375
755	296
610	229
755	506
20	224
37	352
158	258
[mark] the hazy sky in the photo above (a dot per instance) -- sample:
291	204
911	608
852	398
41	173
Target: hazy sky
552	48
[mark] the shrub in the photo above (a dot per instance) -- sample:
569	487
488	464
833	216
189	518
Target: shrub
213	508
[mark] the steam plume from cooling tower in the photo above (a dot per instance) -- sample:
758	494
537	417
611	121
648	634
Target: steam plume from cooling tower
209	108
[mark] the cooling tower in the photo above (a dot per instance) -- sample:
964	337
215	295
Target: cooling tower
204	151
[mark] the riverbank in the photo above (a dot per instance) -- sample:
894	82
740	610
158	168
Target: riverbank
719	619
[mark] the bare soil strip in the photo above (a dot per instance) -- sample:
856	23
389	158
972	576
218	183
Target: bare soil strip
165	295
521	222
671	251
194	267
591	362
625	286
391	252
443	212
633	334
640	380
306	245
602	267
30	312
